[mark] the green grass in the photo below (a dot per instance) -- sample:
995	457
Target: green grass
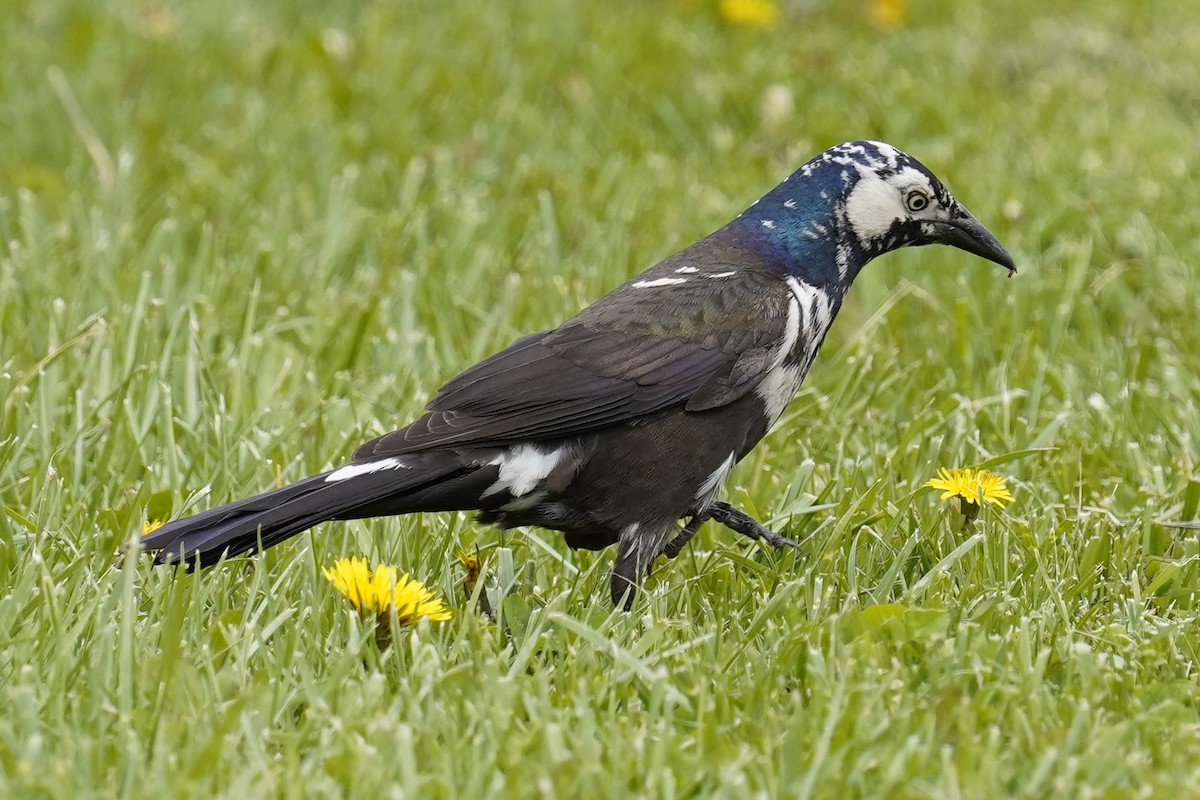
241	238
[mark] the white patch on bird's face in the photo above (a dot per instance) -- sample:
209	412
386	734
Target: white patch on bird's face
876	202
522	468
354	470
873	206
712	484
658	282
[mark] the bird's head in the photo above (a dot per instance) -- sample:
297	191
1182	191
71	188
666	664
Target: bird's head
859	200
895	201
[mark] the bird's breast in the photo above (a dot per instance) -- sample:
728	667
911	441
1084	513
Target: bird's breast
778	388
810	314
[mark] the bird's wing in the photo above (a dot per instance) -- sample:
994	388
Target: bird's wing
699	344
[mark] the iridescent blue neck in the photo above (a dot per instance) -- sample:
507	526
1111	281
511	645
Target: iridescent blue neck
799	226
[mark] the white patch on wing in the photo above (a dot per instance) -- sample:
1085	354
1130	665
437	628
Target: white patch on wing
769	224
522	468
658	282
722	274
685	270
712	484
354	470
789	203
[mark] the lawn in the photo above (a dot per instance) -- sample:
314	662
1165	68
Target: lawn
239	239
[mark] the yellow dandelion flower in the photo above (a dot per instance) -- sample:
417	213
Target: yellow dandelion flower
412	600
751	13
888	13
974	486
382	590
354	579
150	526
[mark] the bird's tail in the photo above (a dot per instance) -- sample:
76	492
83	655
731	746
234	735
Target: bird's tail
433	482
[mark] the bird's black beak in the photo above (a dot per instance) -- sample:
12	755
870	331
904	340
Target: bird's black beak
967	233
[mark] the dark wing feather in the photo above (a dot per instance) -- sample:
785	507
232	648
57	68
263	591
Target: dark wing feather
636	351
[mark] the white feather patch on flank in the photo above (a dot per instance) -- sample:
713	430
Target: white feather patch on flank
658	282
686	270
712	484
522	468
635	543
366	468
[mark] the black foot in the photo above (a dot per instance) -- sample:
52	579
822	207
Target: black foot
673	547
743	523
732	518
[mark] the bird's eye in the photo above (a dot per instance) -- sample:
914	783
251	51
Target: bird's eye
917	201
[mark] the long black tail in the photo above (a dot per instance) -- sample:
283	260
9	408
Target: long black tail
430	482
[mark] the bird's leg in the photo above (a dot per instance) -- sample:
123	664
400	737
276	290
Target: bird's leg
673	547
637	547
738	520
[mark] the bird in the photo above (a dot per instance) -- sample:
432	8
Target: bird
624	422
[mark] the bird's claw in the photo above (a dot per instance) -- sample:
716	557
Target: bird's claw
733	518
737	520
